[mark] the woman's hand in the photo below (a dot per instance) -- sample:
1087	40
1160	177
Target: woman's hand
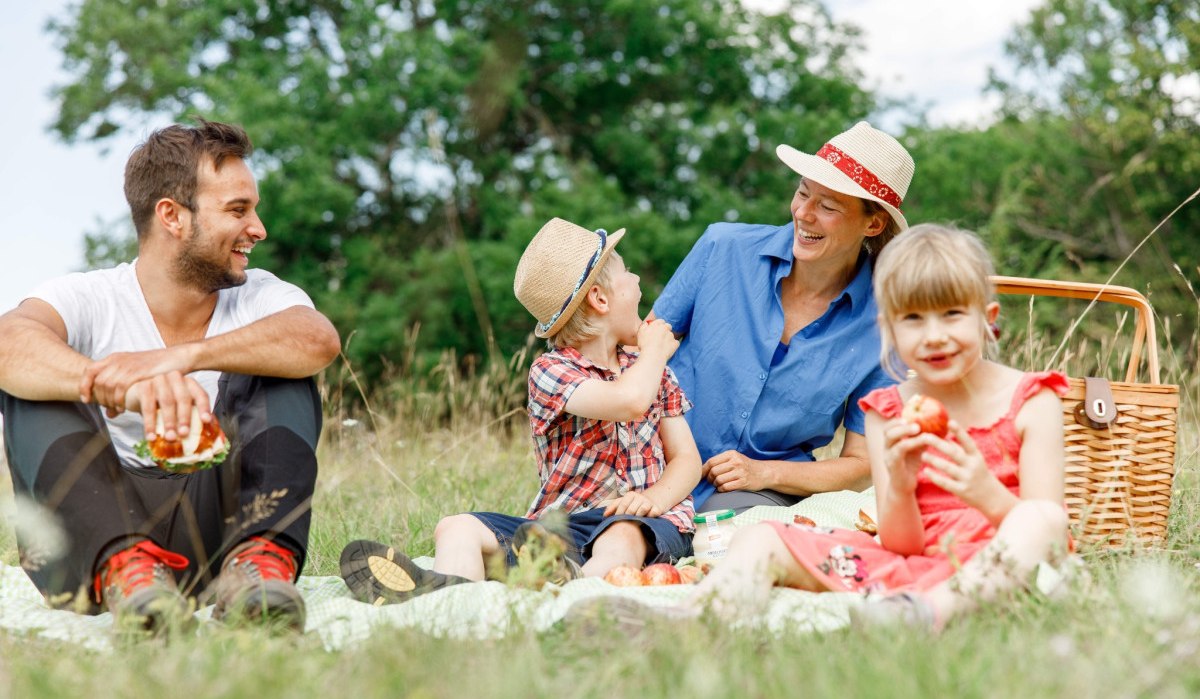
731	470
958	468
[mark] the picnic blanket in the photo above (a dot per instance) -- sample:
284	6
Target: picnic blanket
485	610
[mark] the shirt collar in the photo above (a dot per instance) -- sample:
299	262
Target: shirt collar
576	357
859	289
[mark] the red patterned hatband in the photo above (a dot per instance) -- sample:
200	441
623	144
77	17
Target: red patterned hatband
855	171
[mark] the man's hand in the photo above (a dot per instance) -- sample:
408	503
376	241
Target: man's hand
107	380
173	395
731	470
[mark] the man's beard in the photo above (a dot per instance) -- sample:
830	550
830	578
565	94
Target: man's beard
194	267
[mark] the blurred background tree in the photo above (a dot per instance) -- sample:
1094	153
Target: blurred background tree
409	150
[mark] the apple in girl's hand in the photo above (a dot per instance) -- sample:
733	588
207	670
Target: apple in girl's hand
661	574
624	576
928	414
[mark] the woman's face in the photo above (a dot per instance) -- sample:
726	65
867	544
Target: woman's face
830	226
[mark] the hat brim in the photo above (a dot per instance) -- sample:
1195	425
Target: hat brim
824	172
610	242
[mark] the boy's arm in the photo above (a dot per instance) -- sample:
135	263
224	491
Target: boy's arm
635	390
682	471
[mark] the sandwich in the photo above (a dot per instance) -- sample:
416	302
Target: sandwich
204	446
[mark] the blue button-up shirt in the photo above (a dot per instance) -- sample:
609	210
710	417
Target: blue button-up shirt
751	394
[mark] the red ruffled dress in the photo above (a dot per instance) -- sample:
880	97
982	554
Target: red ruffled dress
850	560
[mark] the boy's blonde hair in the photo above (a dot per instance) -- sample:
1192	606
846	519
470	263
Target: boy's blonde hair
931	266
581	326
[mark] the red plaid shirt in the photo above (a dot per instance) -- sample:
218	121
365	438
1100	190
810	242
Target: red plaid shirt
584	462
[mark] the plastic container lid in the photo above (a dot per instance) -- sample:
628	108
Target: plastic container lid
719	515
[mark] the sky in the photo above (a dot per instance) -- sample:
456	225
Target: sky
51	193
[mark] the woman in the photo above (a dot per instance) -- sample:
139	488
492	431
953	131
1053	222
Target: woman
779	339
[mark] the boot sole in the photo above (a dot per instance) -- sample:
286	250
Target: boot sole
379	574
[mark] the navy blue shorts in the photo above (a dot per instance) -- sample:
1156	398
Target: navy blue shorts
670	544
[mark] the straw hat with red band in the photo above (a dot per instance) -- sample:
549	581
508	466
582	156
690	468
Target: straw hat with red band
556	270
863	162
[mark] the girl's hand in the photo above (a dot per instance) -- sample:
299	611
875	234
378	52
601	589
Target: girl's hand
958	468
903	446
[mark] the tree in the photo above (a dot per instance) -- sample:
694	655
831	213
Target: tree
410	149
1106	102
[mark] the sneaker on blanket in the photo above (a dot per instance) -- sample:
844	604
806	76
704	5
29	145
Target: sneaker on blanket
138	587
257	584
542	552
629	616
379	574
903	609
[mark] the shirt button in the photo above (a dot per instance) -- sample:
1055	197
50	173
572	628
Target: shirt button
745	414
762	376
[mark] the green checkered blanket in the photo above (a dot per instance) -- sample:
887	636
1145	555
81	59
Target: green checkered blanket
477	610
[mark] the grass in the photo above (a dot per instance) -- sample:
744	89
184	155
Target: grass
1132	630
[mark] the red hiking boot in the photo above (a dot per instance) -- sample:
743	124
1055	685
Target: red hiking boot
139	588
256	583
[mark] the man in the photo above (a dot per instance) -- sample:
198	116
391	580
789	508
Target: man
92	363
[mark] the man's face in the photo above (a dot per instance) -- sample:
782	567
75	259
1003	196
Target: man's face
223	228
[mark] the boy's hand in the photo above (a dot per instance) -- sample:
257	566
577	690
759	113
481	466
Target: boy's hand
633	503
655	337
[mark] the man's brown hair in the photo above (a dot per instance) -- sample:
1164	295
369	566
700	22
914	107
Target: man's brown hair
167	163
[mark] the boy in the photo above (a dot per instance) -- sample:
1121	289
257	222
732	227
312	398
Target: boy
614	452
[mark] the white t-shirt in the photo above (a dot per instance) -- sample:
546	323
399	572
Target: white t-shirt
105	312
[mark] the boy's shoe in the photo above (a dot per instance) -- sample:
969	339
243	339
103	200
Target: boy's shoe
544	545
593	615
903	609
379	574
138	587
257	584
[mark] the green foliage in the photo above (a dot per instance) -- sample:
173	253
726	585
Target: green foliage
408	151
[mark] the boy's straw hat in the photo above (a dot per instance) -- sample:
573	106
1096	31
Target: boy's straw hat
557	269
863	162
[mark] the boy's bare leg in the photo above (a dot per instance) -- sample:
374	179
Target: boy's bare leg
622	543
463	544
741	583
1031	533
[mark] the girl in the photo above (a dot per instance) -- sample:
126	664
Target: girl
985	501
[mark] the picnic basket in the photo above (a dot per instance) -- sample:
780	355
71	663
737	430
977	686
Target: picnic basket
1120	439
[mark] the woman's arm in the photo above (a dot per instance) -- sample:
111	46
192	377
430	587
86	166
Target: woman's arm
850	470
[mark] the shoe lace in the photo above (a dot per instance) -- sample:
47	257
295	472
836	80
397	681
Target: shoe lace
136	567
265	560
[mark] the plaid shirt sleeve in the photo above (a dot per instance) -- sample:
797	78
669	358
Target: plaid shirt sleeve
671	396
551	383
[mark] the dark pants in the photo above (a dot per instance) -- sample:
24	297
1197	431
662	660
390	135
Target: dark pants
741	500
60	457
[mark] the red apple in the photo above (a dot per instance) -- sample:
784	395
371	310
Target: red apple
928	414
624	576
661	574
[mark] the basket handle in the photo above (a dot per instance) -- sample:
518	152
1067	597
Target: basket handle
1143	333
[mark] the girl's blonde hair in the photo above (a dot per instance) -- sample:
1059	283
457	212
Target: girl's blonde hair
581	325
931	266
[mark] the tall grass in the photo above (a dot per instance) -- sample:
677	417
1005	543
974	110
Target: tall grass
440	442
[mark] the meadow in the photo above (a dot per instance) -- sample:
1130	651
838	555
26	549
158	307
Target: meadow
448	442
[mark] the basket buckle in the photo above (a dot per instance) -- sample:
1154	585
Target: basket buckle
1098	410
